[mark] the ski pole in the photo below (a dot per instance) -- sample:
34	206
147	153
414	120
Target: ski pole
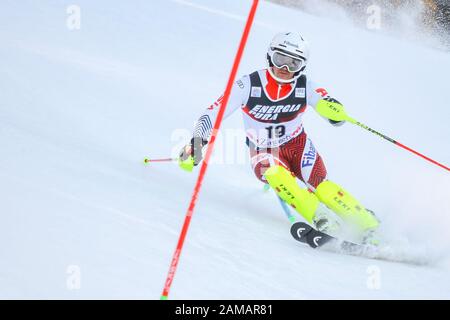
362	125
146	160
283	204
286	210
336	112
187	165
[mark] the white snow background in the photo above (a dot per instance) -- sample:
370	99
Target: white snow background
82	217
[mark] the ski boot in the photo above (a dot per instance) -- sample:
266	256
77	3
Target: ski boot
371	236
347	207
326	221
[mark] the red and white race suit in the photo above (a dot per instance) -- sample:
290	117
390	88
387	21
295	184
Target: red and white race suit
272	115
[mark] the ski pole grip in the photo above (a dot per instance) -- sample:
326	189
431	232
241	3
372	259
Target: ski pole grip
332	110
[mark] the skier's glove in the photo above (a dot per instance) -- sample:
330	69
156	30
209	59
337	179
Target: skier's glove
194	150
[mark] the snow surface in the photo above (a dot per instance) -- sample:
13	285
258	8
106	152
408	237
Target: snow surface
80	109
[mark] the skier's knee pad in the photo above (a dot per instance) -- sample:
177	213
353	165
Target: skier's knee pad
345	205
285	185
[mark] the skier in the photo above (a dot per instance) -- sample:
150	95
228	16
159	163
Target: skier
273	101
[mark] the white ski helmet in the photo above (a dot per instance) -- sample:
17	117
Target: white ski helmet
288	49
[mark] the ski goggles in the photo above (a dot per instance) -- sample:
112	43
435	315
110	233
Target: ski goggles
280	60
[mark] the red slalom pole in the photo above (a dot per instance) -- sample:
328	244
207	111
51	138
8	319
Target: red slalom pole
210	148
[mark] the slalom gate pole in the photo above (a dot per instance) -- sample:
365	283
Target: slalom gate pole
210	148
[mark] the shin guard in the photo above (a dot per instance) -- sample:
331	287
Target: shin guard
285	185
345	205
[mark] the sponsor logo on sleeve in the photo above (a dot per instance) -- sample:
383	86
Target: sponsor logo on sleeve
323	92
216	104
